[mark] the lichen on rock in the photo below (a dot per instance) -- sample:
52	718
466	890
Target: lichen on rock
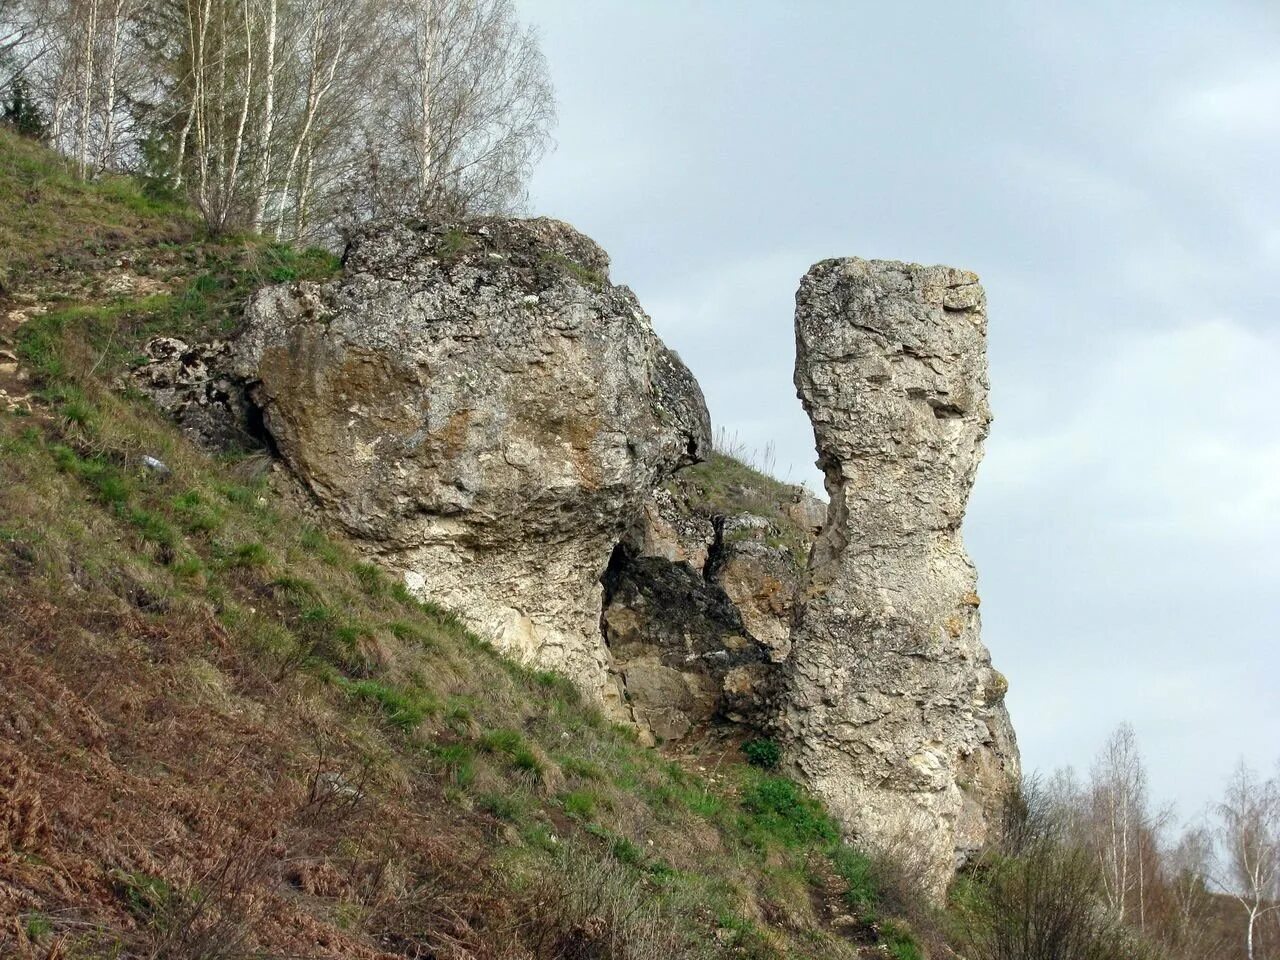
892	710
480	406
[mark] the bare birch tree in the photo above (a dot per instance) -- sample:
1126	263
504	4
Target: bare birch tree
290	115
329	53
464	109
1248	834
1123	827
20	25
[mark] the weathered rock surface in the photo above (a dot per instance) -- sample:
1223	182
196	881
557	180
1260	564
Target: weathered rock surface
190	382
488	413
760	575
892	710
680	647
699	598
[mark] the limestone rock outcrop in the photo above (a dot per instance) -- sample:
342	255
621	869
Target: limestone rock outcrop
681	650
487	413
892	711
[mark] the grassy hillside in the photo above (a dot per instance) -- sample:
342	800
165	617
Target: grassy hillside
224	735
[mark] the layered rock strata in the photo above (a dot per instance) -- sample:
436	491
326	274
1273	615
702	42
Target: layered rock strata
892	711
482	408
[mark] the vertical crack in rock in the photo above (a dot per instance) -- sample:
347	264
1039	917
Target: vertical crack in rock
892	710
488	413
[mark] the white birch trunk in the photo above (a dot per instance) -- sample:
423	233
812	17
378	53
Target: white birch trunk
267	129
106	152
86	90
429	37
237	145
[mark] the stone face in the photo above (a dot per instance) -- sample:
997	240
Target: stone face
892	710
481	406
672	530
760	576
189	382
681	649
699	601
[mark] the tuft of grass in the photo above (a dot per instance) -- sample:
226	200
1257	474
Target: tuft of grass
196	514
584	275
624	851
898	942
514	746
403	708
147	897
501	805
579	804
314	541
580	767
371	579
454	243
38	926
249	555
459	763
858	873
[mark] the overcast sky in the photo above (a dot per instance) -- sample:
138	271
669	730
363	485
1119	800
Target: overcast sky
1112	172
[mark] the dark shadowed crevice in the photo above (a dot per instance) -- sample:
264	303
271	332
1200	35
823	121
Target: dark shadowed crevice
716	554
610	581
256	429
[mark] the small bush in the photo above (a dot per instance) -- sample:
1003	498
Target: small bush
762	753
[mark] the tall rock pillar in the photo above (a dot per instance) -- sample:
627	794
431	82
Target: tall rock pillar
893	713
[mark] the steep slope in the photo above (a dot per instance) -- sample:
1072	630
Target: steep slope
225	734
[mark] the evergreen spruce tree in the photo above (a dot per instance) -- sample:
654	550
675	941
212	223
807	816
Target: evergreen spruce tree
21	111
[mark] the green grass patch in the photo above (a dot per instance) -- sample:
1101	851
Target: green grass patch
778	810
584	275
579	804
402	708
38	926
